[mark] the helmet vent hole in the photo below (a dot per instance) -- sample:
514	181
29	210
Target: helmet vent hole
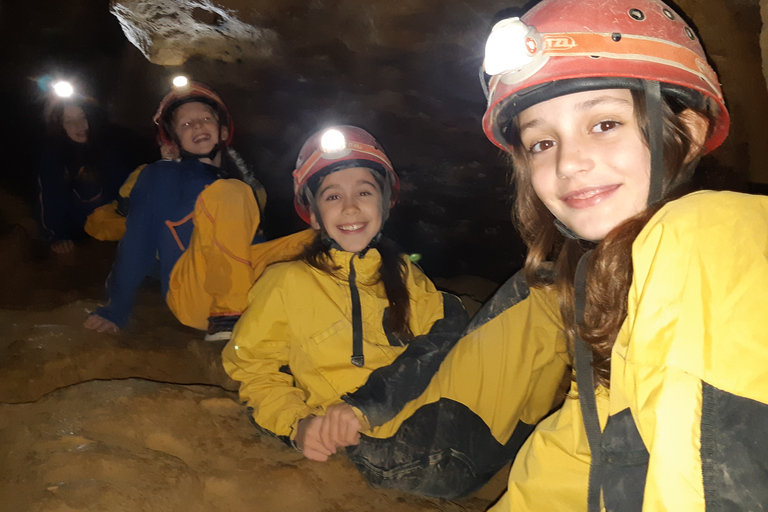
616	37
594	56
689	33
669	14
637	14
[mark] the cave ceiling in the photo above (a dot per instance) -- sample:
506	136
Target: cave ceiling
407	71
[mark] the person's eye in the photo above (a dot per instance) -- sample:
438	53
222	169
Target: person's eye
331	197
605	126
366	193
541	146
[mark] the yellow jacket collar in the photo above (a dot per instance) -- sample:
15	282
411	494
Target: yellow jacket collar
366	267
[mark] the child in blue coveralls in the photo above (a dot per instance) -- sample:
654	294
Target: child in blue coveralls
197	217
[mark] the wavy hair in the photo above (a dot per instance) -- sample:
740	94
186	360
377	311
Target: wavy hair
609	270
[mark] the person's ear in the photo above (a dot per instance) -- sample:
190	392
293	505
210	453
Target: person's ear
313	221
698	127
224	133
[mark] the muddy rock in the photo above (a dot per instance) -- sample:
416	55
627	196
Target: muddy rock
145	419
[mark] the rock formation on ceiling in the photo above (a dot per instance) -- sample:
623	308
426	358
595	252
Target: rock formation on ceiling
168	32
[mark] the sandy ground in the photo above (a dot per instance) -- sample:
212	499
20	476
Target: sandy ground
145	420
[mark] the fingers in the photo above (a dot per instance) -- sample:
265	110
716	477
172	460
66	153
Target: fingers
309	440
341	426
313	454
318	437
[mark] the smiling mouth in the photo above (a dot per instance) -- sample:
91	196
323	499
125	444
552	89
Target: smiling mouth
590	196
351	227
201	138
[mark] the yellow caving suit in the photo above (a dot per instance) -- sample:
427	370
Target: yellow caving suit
689	364
107	222
303	318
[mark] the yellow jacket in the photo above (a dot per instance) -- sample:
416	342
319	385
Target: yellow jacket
689	362
499	380
301	317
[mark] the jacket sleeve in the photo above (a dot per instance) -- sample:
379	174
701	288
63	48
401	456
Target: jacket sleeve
259	348
693	353
137	251
441	323
506	369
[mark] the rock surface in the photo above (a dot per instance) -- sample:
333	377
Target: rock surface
145	420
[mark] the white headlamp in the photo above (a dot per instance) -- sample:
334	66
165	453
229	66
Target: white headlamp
180	81
333	141
63	89
512	47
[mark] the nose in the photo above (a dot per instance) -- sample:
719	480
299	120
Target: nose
573	157
350	206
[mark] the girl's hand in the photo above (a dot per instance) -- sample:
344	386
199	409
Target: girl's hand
309	441
100	324
340	427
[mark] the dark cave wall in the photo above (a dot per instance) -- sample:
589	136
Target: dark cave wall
406	71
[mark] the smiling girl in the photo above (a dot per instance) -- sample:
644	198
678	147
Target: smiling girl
658	286
193	219
351	315
653	292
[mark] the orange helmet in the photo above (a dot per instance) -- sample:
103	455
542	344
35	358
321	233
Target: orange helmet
337	148
193	91
560	47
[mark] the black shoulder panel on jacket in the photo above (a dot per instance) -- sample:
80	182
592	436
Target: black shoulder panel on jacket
510	293
390	387
734	451
624	460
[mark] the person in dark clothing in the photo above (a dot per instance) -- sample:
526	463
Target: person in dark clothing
77	173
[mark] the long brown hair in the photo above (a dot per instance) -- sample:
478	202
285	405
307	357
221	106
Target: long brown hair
609	270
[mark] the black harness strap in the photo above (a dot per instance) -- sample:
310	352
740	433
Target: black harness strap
586	382
357	317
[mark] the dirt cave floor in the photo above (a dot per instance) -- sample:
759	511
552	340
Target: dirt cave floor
145	420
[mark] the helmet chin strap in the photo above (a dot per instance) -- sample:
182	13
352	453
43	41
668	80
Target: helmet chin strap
186	155
653	106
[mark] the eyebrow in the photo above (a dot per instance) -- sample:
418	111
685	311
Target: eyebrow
370	182
583	106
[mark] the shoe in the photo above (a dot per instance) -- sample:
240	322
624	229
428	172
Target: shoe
220	327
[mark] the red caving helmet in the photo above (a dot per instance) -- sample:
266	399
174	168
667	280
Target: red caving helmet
336	148
193	91
561	47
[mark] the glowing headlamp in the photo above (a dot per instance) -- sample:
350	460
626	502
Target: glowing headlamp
63	89
512	46
180	81
333	141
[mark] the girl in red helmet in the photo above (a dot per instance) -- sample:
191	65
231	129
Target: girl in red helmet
350	319
653	293
196	217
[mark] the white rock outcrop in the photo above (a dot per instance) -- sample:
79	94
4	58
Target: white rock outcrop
168	32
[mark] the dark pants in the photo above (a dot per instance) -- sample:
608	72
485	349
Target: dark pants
444	450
